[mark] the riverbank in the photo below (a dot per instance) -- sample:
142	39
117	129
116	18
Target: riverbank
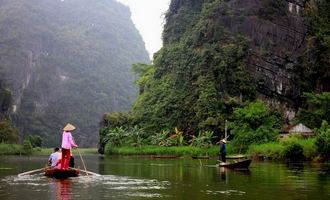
17	149
294	149
11	149
289	149
84	151
162	150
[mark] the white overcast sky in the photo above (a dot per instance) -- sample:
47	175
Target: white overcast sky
148	17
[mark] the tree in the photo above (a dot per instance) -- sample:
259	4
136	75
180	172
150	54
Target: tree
254	124
315	61
8	134
317	109
35	140
323	140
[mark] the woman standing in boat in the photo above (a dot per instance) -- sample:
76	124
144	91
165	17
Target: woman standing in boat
67	144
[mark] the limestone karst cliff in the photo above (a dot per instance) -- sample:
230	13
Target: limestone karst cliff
219	54
67	61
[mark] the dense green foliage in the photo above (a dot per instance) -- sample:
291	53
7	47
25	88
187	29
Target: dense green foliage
292	148
323	140
196	80
200	78
8	134
11	149
67	61
35	140
160	150
254	124
315	73
317	109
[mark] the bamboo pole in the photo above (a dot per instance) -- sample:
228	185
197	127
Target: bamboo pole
82	160
226	129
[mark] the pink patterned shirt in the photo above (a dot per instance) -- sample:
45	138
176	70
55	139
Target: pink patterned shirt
67	140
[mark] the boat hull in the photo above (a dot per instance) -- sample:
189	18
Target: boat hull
200	157
164	156
61	173
240	164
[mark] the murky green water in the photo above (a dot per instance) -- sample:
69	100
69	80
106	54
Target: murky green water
145	178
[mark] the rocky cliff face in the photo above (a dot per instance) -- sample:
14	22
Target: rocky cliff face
276	34
68	61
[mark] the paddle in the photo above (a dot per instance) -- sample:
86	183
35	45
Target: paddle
88	172
30	172
82	160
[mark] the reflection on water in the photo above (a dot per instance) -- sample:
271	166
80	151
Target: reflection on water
142	178
72	188
222	173
63	189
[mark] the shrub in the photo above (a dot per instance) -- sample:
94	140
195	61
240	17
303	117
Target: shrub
27	147
323	140
10	149
8	134
203	140
35	140
254	124
294	151
273	150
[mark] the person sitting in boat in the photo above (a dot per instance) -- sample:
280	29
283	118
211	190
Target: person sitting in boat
223	150
67	144
54	157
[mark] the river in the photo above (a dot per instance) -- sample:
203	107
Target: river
146	178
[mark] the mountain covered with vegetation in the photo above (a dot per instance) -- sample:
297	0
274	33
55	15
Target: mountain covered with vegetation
246	61
67	61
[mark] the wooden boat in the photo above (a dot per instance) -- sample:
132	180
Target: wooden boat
61	173
236	157
238	164
200	157
165	156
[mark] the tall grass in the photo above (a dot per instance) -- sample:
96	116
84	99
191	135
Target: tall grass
48	151
161	150
17	149
272	150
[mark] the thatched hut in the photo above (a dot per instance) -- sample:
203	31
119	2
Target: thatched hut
297	129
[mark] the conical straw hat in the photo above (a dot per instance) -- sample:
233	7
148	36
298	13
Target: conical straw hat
69	127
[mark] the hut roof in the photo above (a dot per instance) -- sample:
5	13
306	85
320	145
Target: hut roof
298	128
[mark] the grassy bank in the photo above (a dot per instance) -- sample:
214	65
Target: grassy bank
293	148
11	149
17	149
84	151
161	150
304	149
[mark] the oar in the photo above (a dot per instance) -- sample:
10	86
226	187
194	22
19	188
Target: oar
30	172
88	172
82	160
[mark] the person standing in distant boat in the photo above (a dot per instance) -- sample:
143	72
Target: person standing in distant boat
223	150
67	144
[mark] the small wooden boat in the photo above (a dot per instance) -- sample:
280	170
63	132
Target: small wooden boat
200	157
236	157
165	156
238	164
61	173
